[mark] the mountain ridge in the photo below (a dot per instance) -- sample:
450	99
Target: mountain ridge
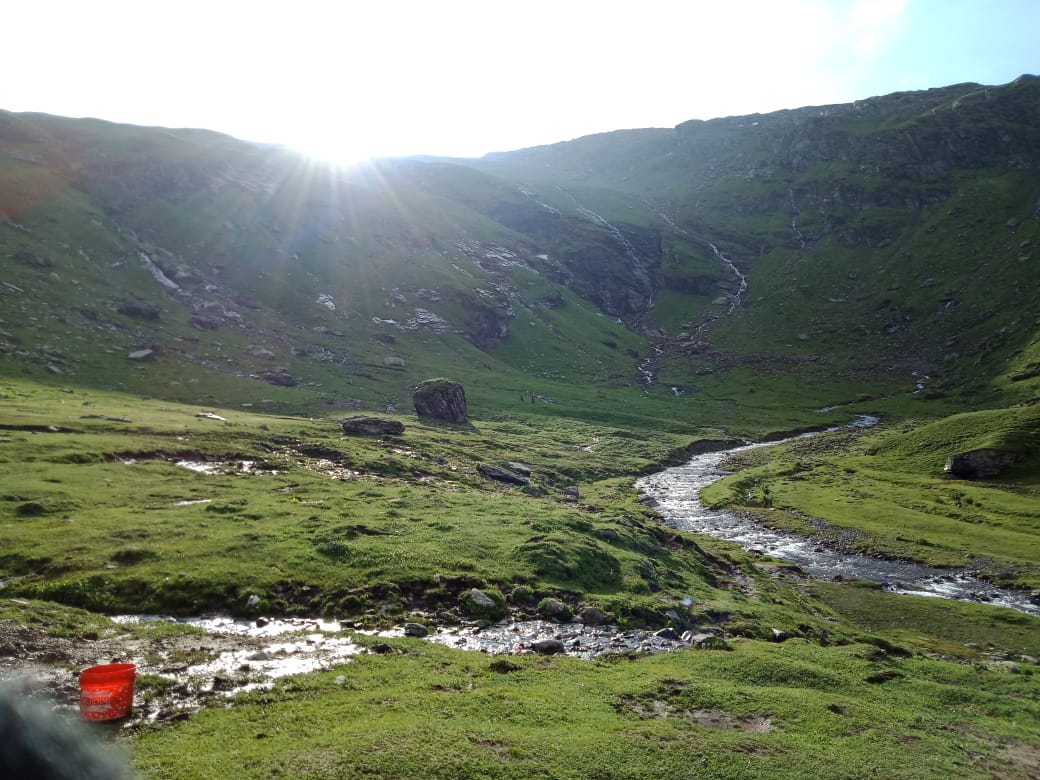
654	230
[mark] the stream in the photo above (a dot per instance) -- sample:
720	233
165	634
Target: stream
238	655
675	494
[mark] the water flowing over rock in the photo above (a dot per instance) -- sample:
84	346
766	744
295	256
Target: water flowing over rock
674	493
441	399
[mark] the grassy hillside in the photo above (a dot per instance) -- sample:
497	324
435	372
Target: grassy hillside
185	319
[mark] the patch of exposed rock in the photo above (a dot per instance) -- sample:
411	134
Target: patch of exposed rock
501	474
280	377
372	426
985	463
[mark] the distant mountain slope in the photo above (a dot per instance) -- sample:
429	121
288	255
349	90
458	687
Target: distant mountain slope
898	234
240	260
900	230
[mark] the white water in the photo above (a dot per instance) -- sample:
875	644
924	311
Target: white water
794	220
742	287
675	493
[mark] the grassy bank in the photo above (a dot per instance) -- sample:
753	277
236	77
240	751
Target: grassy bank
762	710
889	488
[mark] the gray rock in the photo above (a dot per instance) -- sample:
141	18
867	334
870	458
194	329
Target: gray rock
204	323
501	474
707	642
416	630
554	609
142	310
257	351
142	355
481	599
280	377
548	647
392	361
570	493
592	616
520	468
983	463
667	633
441	399
372	426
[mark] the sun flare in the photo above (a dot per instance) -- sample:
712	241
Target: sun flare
334	150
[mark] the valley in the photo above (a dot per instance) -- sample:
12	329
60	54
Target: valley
189	322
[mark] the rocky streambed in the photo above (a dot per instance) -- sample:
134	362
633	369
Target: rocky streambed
180	672
675	494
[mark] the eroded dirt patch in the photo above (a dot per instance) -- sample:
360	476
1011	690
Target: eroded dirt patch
707	718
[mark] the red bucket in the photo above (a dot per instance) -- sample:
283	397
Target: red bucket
106	692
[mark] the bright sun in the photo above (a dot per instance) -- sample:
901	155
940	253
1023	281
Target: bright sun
332	149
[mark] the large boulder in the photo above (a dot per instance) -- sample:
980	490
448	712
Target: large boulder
372	426
983	463
441	399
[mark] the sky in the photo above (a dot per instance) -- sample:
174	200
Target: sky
348	79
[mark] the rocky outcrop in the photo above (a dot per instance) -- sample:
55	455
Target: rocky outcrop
501	474
142	310
985	463
280	377
441	399
372	426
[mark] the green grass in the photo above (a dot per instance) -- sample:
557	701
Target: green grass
940	627
900	262
427	711
99	515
